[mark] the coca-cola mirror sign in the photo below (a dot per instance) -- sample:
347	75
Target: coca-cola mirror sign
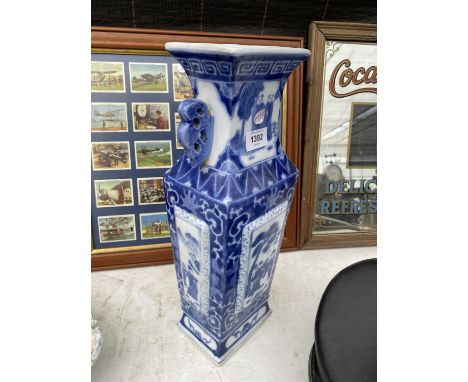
346	177
339	166
364	79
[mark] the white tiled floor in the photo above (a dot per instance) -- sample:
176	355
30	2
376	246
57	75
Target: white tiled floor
137	310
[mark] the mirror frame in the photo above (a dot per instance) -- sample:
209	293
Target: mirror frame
319	34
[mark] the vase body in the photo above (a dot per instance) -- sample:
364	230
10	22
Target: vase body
228	197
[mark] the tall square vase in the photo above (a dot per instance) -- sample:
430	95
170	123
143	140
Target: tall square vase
228	197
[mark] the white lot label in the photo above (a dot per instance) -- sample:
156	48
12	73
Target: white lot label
256	139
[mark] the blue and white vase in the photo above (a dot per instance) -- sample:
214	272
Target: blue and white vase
228	197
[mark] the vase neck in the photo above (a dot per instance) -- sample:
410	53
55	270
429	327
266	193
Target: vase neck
242	87
247	120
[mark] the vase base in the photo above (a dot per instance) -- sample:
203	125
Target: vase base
218	361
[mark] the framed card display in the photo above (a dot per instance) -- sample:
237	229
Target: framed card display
339	185
136	89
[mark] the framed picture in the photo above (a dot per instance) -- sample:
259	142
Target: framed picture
154	225
116	228
107	77
112	155
148	77
108	117
153	154
113	192
136	89
152	116
150	190
177	123
181	83
339	185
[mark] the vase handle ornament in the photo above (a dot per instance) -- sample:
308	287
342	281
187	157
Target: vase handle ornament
195	132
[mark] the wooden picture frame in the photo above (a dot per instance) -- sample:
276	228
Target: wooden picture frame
319	34
151	42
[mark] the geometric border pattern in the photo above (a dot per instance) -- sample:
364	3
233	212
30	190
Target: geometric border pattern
226	70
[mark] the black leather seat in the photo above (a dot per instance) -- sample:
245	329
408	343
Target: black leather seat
345	348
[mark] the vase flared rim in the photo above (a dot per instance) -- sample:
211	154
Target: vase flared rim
234	49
